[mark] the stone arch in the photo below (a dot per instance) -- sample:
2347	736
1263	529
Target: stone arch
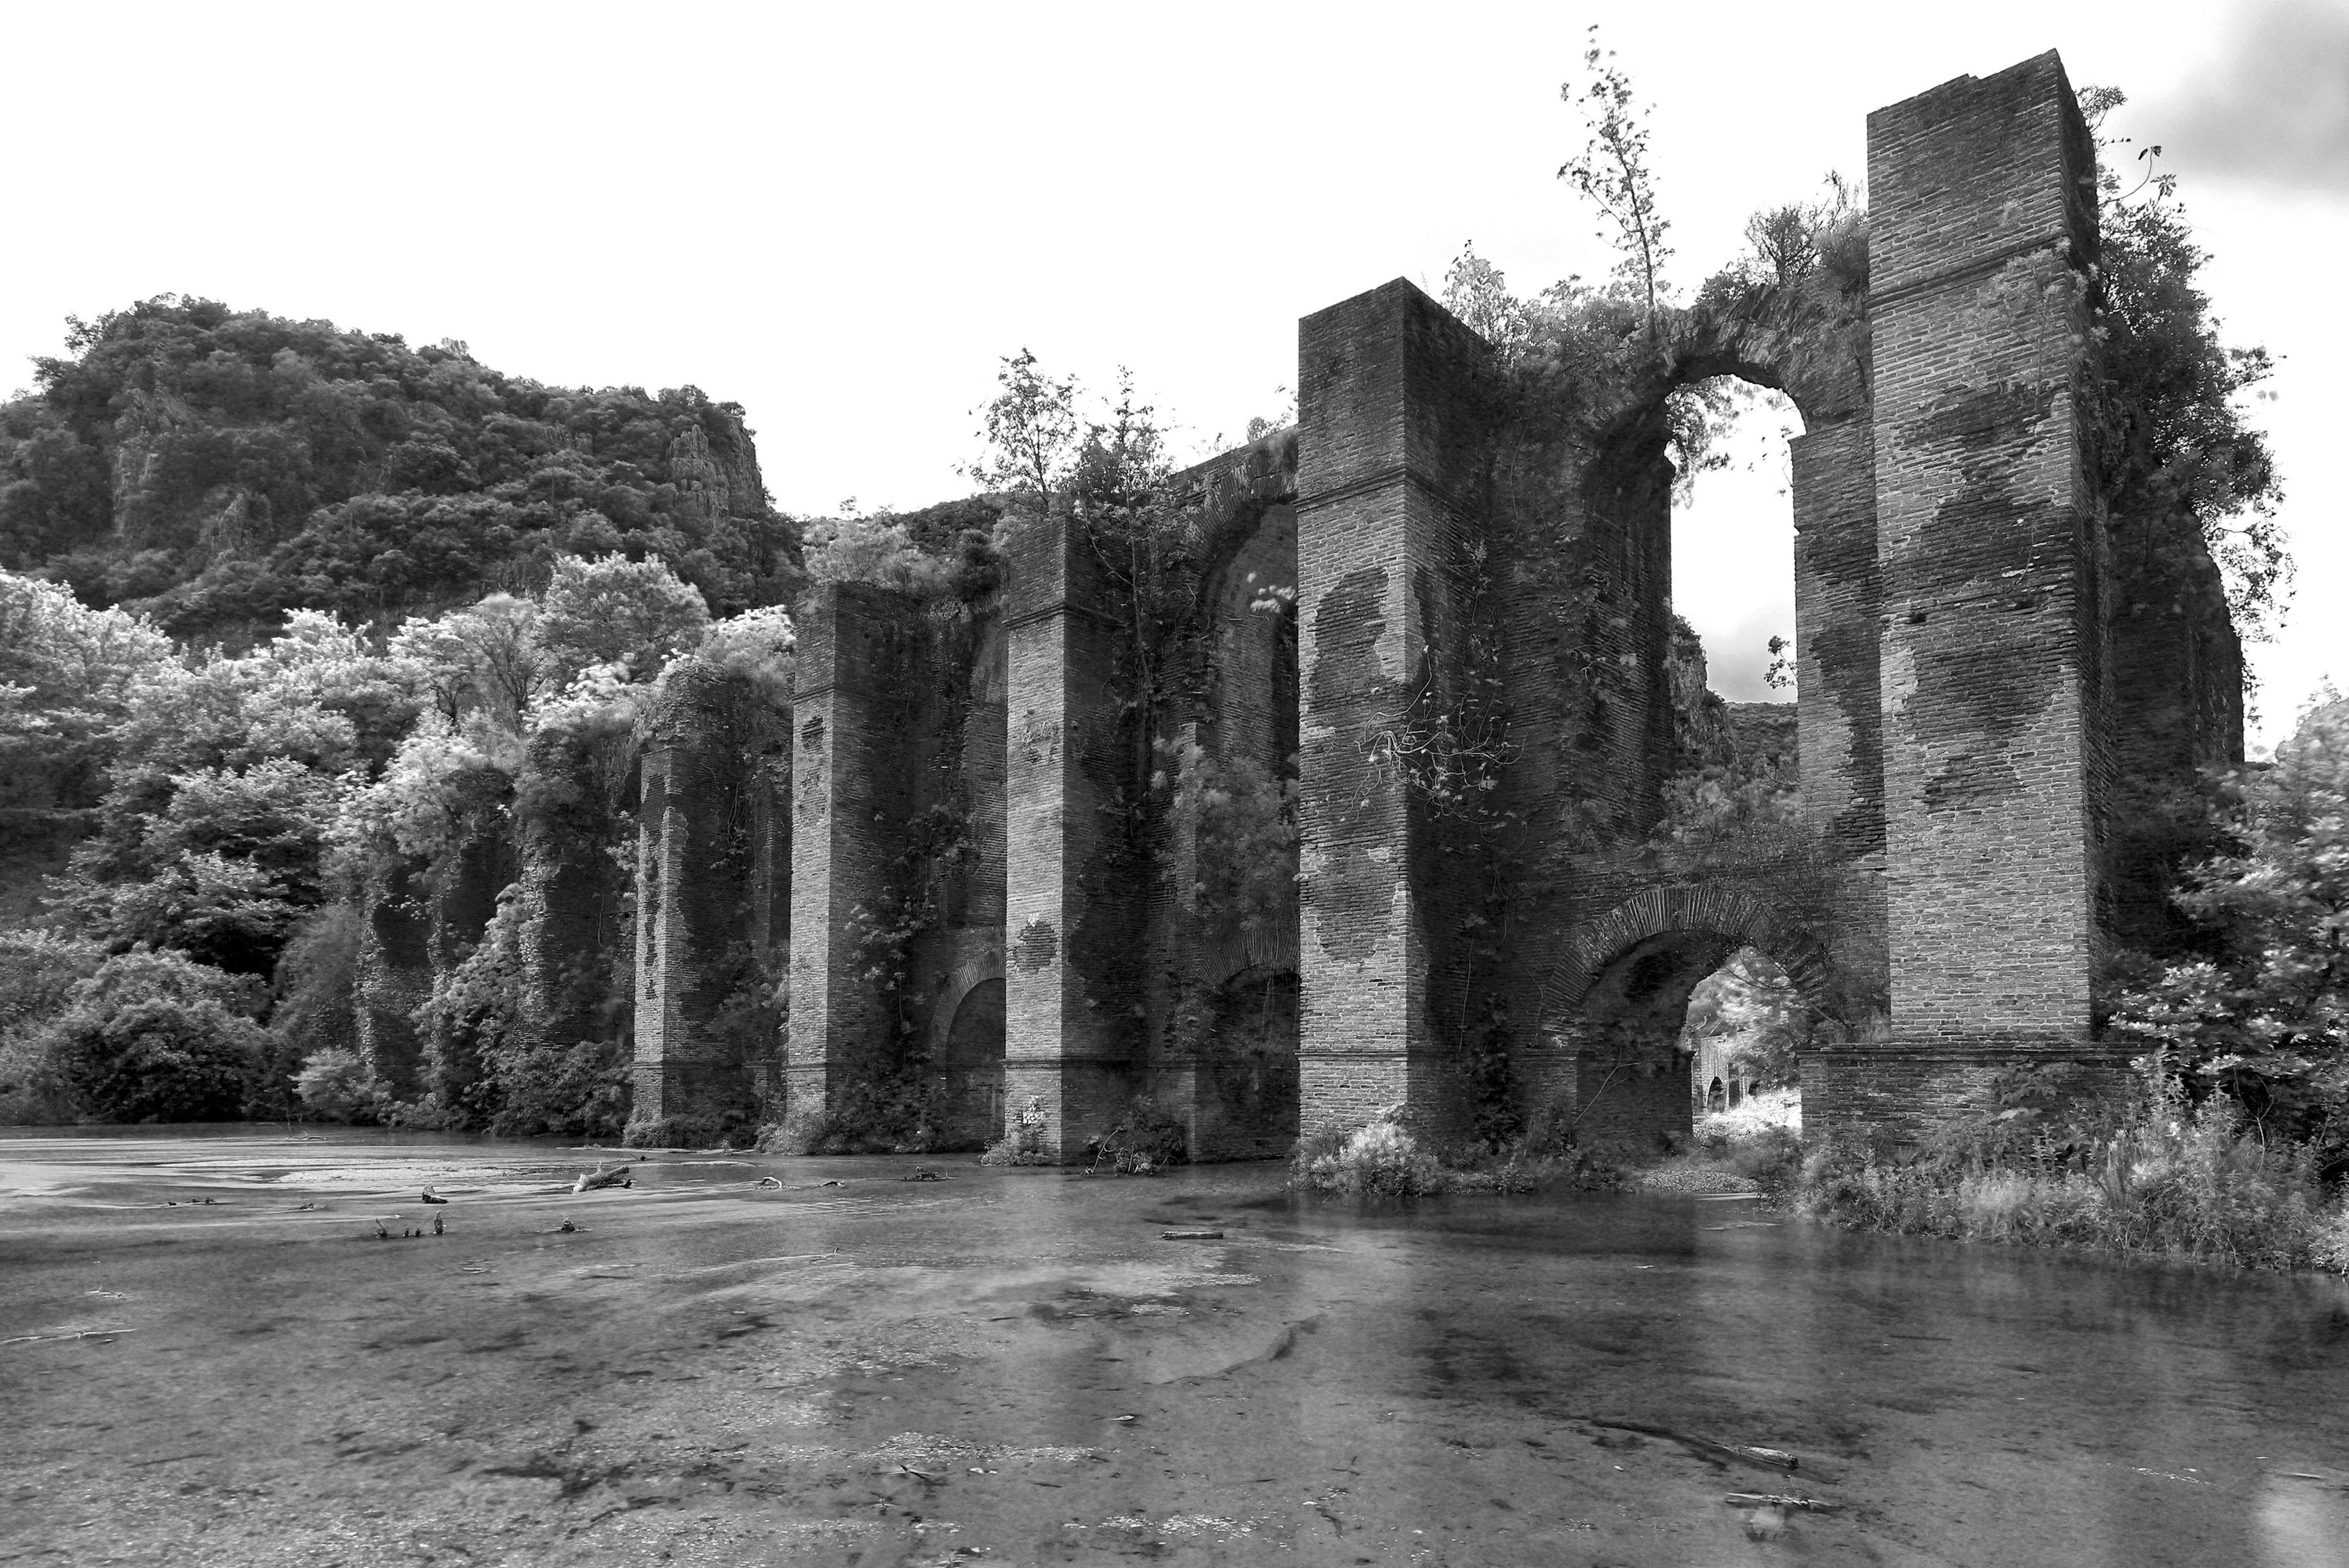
1736	915
968	1036
954	989
1616	1003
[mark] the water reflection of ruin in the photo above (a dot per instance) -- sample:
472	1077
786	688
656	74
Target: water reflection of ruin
1467	713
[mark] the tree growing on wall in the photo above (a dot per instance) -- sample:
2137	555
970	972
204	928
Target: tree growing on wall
1612	174
2177	457
1030	428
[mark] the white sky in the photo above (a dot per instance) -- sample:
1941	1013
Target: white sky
841	215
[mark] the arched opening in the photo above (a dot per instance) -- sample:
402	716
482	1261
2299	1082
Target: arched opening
1733	658
970	1069
1250	1088
1677	986
1746	1027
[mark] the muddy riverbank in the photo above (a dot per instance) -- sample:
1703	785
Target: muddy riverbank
1016	1366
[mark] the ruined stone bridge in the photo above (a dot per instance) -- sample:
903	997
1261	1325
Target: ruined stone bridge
992	896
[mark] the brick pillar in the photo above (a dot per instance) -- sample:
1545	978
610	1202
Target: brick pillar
1071	960
467	883
1983	207
1839	623
395	969
851	780
708	836
1389	471
771	898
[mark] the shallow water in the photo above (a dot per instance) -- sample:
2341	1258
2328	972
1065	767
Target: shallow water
1014	1366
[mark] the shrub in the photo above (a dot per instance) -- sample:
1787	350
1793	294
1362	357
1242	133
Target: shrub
336	1084
155	1036
39	972
156	1060
1144	1138
2178	1181
1381	1159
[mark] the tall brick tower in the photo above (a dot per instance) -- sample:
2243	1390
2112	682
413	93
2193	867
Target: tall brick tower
1995	691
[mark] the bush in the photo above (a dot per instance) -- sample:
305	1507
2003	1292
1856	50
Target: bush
734	1129
1144	1138
158	1061
897	1114
2167	1178
336	1084
39	972
1382	1159
155	1037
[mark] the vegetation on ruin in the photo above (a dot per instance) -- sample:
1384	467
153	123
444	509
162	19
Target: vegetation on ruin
231	805
2156	1173
2178	460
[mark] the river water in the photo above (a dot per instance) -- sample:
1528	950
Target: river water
1017	1367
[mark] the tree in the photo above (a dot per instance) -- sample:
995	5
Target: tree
65	670
1612	172
2267	1022
2174	453
228	772
1030	428
630	615
1749	1002
477	659
153	1037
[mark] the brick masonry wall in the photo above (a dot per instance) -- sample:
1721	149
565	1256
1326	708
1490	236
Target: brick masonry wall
862	669
466	883
395	969
713	833
1072	969
1392	449
1993	657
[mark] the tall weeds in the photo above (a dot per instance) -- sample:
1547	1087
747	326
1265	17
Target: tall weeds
2164	1176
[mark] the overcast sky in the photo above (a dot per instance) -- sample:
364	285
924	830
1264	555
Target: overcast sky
841	215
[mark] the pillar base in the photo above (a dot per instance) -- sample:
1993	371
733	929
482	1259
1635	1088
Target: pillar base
1888	1094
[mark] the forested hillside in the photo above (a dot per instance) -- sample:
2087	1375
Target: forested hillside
281	604
214	468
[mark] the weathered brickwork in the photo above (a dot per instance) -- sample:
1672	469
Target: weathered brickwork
714	844
1221	989
853	769
1477	697
395	971
1993	696
1390	477
1072	1045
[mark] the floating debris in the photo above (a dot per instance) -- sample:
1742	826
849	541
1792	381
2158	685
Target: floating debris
1706	1448
1781	1500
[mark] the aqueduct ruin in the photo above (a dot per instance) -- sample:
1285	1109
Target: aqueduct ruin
1469	709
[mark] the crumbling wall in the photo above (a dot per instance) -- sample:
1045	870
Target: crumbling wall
1075	895
1390	482
1998	760
715	770
1222	933
393	968
888	873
